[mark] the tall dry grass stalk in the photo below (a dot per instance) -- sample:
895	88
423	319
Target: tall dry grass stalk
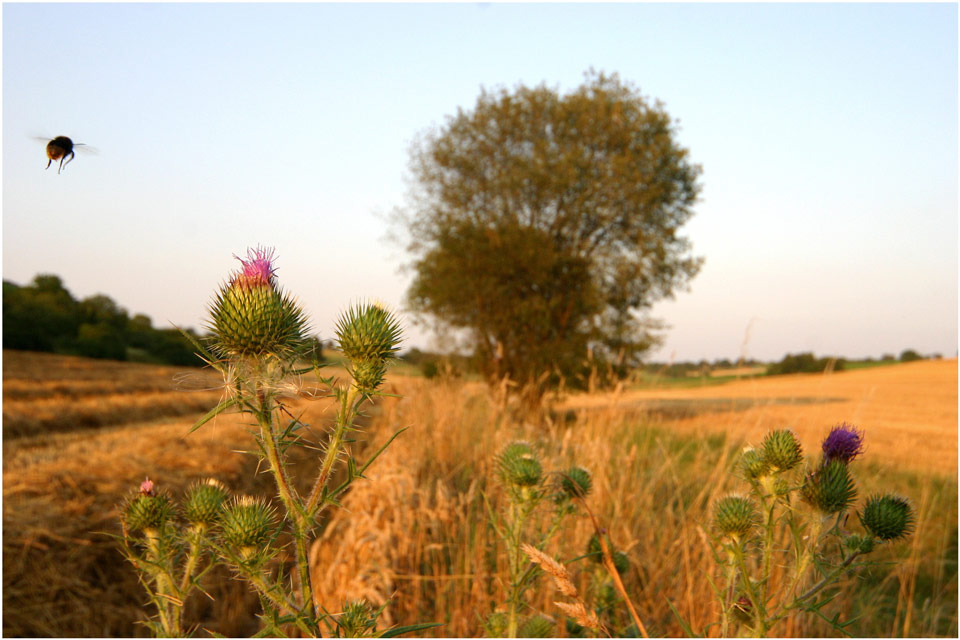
420	519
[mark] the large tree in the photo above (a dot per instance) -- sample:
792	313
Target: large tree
546	225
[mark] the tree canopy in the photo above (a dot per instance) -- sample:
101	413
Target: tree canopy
44	316
546	225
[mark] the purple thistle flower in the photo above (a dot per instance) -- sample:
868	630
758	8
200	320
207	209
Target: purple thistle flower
258	269
146	487
844	443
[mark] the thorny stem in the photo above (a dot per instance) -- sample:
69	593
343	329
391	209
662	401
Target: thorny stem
287	495
169	618
826	579
344	420
513	553
728	601
257	581
759	606
192	557
767	547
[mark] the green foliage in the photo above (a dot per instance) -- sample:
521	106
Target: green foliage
804	363
256	320
257	341
524	521
807	538
546	224
909	355
44	316
887	517
735	516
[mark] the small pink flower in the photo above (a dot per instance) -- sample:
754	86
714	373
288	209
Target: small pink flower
258	269
146	487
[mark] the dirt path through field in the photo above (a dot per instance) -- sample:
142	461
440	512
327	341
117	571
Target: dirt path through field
908	411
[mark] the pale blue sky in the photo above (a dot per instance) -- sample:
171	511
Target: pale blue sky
827	135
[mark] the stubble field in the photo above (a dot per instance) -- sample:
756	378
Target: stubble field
80	434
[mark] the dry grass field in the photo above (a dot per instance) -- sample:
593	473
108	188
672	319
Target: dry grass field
909	411
415	534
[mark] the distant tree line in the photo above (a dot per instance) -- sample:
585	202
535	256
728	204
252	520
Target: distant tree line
44	316
791	363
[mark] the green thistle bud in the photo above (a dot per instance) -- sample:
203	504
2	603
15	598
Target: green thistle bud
830	487
250	316
781	450
496	625
735	516
753	464
887	517
368	332
575	482
859	544
247	525
594	551
536	627
368	374
358	619
781	487
519	466
146	512
204	503
621	561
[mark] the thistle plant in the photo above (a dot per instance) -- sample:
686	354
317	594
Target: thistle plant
167	549
786	541
537	503
258	336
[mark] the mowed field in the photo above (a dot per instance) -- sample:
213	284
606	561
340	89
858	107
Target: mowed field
80	434
908	411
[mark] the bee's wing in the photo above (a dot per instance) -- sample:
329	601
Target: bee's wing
85	148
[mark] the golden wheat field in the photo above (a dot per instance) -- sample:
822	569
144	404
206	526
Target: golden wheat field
415	535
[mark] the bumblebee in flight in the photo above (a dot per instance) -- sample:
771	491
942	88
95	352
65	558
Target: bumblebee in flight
61	148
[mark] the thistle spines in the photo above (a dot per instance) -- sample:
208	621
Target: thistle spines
575	482
251	316
247	526
369	335
830	488
519	466
781	450
735	516
358	619
148	510
204	503
887	517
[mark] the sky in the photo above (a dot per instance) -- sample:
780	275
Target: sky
827	135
